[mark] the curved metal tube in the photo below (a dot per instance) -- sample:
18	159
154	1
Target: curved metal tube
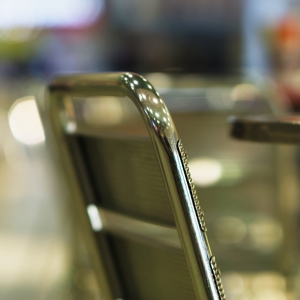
170	154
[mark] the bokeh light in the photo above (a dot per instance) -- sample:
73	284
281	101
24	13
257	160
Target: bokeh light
25	122
94	216
34	13
266	233
22	20
205	171
230	230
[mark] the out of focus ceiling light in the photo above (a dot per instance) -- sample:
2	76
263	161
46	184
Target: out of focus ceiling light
55	13
205	171
25	122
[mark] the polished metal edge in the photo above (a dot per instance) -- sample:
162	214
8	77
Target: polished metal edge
217	276
200	214
198	208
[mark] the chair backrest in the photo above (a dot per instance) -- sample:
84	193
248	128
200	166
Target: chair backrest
132	190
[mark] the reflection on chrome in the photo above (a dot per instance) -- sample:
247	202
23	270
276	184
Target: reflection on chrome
95	218
25	122
205	171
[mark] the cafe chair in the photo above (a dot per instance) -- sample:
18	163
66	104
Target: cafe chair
131	189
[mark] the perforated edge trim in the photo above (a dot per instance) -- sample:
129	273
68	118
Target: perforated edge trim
198	208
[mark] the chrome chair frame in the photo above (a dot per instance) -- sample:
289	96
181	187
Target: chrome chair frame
189	217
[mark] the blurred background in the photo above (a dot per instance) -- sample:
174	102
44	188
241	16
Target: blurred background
208	59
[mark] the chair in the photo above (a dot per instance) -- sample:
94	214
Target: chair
131	188
284	129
